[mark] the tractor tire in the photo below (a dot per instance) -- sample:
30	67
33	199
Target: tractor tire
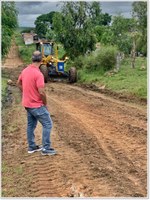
72	75
44	70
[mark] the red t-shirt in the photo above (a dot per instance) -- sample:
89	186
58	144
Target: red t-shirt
32	79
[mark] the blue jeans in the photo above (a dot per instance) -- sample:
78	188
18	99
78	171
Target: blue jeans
42	115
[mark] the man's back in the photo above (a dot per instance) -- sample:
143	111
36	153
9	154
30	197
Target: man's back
32	79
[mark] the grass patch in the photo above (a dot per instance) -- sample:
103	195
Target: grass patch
18	170
25	51
5	168
126	80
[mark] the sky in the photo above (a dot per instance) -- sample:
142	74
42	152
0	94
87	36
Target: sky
30	10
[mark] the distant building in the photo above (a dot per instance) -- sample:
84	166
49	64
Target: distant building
29	38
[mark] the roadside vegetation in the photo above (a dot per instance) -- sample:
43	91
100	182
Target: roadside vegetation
4	89
126	81
99	68
25	51
108	52
9	24
118	63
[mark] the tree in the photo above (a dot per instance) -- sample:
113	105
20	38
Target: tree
97	17
43	24
121	29
139	12
96	13
41	29
106	19
74	28
9	23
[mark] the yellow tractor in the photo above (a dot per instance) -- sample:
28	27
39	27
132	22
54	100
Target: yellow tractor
52	67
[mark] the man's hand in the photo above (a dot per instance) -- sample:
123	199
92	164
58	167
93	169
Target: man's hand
19	84
43	95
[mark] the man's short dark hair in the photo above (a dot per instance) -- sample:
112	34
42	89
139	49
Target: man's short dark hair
37	56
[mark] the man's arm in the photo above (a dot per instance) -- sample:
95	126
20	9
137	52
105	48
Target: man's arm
19	84
43	95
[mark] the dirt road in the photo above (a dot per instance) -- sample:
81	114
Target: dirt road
101	144
12	60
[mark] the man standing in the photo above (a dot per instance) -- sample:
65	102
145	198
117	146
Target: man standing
31	83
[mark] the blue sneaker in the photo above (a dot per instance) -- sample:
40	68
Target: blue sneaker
34	149
49	151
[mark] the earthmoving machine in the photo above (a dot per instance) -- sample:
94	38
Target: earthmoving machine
52	67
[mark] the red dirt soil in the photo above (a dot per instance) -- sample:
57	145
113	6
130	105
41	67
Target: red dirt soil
101	144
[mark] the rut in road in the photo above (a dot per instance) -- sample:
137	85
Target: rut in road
101	146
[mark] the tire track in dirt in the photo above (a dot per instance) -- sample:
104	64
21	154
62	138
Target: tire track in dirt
120	141
101	147
101	144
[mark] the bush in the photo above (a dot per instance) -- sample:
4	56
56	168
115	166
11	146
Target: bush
91	63
102	60
107	57
25	52
80	62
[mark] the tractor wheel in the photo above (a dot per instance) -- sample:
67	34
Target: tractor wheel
44	70
72	75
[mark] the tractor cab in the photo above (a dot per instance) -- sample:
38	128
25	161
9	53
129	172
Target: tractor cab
45	48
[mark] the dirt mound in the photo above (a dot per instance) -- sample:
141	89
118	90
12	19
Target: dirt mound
120	96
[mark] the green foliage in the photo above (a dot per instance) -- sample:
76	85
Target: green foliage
41	29
107	57
9	23
95	13
99	31
61	52
73	28
106	19
97	17
126	80
50	35
25	51
140	14
92	63
43	25
6	39
101	60
120	25
107	36
117	34
26	30
121	28
45	18
4	89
